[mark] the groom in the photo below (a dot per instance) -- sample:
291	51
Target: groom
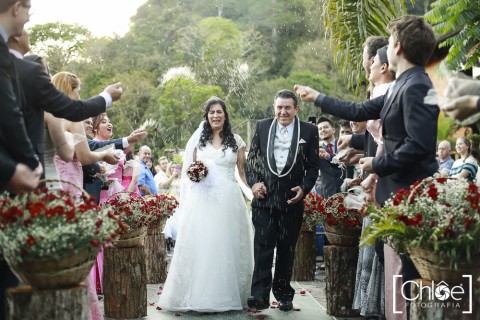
282	167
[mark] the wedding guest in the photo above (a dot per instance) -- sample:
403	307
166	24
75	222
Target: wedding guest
17	156
151	167
409	129
279	180
330	175
162	164
41	95
171	186
345	128
146	184
72	171
445	161
466	167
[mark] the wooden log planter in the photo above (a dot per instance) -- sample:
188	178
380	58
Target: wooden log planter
155	253
305	256
25	303
340	272
125	282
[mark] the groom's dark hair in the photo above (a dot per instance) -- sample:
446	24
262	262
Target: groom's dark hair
286	94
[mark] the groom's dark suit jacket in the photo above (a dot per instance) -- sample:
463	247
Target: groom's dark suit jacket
409	130
304	171
41	95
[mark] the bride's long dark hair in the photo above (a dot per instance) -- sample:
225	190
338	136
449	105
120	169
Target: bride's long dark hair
228	140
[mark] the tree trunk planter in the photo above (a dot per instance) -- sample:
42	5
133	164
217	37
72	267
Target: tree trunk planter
340	271
155	253
125	282
25	303
426	308
305	256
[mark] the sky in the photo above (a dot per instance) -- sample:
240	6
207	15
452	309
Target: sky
101	17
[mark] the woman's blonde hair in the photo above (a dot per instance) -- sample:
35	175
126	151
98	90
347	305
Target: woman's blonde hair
66	82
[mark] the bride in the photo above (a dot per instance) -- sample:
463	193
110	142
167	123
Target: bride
212	266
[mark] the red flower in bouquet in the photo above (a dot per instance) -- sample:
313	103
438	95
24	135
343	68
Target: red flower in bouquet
437	214
313	205
160	205
337	214
131	209
197	171
48	224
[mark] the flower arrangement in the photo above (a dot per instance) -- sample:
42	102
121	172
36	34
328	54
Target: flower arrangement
160	205
436	214
313	205
49	224
197	171
131	209
336	213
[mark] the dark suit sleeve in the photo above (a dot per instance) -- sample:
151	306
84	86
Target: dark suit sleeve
358	141
94	145
13	132
312	162
254	160
418	119
7	168
61	106
352	111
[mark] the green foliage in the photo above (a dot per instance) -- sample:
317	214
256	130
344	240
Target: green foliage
445	125
348	24
59	42
457	23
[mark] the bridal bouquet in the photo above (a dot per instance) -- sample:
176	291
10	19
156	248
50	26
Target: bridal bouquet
197	171
49	224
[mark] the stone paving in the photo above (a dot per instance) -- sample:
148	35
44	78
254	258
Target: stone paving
309	303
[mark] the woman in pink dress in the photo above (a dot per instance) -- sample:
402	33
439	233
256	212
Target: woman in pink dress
72	171
122	177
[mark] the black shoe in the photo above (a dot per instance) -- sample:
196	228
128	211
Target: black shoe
285	305
257	303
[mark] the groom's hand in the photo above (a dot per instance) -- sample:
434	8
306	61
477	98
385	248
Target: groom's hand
259	190
298	196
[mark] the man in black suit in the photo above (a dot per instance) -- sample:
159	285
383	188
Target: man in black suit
409	129
41	95
282	167
17	158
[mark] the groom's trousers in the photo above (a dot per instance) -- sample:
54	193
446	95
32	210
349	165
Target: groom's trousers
280	229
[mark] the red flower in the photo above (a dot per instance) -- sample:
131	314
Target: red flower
31	240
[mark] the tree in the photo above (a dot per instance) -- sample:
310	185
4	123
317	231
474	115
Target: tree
458	24
349	23
59	42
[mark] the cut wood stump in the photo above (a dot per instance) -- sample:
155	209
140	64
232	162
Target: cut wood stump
305	256
25	303
340	272
125	282
442	304
155	254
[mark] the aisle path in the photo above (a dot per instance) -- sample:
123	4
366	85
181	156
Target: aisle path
308	308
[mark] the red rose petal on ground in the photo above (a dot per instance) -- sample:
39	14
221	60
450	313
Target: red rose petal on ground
158	308
261	317
159	292
302	292
151	303
178	314
273	307
274	303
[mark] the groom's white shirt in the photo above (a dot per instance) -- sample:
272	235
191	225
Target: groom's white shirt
281	146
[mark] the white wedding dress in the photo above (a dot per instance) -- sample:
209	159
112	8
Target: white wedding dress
212	266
